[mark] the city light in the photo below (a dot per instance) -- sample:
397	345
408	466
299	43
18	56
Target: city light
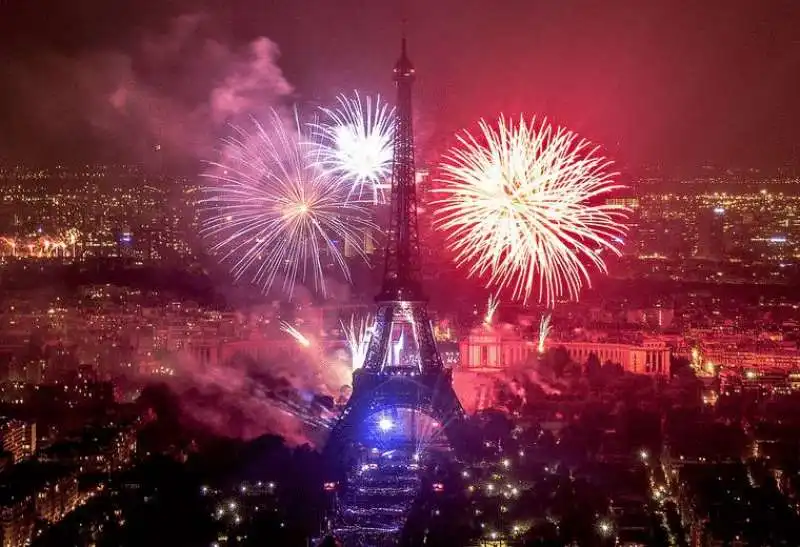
605	528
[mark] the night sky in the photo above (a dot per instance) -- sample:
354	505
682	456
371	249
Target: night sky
676	83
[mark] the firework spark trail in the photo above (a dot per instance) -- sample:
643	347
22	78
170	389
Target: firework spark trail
544	332
272	212
296	334
491	308
357	143
517	203
358	334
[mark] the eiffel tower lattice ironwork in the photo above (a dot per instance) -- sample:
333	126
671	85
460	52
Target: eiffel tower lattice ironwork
402	368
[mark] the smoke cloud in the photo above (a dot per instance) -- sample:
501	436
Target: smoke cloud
172	93
244	398
288	392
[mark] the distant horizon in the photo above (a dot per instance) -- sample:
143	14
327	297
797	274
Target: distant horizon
640	173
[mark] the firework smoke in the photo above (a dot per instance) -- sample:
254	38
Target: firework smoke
246	398
164	100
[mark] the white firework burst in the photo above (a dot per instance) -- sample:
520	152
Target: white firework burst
357	143
271	212
519	206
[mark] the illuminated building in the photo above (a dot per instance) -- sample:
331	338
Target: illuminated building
29	444
121	450
500	348
764	381
652	357
14	438
17	518
57	497
103	451
494	348
756	360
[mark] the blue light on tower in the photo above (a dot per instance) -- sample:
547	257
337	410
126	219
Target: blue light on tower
385	424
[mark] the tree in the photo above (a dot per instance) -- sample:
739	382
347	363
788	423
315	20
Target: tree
497	426
680	366
593	365
613	370
557	360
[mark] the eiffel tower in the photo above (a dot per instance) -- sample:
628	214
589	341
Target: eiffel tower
402	368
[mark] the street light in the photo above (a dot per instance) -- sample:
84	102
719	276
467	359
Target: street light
605	528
